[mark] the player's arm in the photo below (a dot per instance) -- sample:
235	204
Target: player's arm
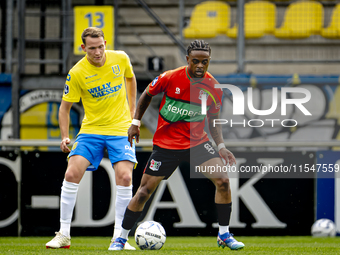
64	122
216	134
131	90
142	105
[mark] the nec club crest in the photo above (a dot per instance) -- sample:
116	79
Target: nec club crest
201	93
154	165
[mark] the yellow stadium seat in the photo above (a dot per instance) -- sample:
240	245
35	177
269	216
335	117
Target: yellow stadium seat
208	19
302	19
333	30
259	20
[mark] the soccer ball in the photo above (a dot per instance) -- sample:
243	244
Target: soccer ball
150	235
323	227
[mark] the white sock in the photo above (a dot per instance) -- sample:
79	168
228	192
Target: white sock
223	229
68	197
123	197
124	233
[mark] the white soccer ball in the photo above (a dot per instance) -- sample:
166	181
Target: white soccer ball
150	235
323	227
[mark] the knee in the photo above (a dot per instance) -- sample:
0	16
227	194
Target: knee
72	175
222	184
143	195
125	179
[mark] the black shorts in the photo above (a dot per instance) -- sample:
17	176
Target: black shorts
163	162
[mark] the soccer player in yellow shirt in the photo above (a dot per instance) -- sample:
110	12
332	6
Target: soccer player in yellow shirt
105	82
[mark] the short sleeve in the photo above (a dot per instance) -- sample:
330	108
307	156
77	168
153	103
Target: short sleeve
72	90
159	84
128	70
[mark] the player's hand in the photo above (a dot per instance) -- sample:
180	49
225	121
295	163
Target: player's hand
133	133
228	156
63	145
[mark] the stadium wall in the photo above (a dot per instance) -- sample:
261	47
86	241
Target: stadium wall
262	204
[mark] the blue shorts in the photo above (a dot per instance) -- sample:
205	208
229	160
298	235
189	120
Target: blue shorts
92	148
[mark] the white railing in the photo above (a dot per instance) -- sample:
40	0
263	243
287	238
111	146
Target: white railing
53	143
148	143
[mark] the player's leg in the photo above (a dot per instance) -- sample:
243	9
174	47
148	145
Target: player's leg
134	210
220	180
76	168
162	163
86	154
208	158
123	174
147	186
223	205
123	158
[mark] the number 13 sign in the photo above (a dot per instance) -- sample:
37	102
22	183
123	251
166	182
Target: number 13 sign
93	16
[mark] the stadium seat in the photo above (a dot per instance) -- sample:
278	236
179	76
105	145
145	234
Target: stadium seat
259	20
208	20
302	19
333	30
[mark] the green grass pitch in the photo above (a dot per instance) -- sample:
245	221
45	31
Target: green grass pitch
177	245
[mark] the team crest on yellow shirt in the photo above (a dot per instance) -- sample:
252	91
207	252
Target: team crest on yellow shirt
116	69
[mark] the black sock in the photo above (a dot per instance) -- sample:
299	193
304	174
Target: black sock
130	218
223	213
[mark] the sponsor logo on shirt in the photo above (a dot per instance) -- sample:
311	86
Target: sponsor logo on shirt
174	111
116	69
178	90
154	81
155	165
104	90
182	111
66	89
88	77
